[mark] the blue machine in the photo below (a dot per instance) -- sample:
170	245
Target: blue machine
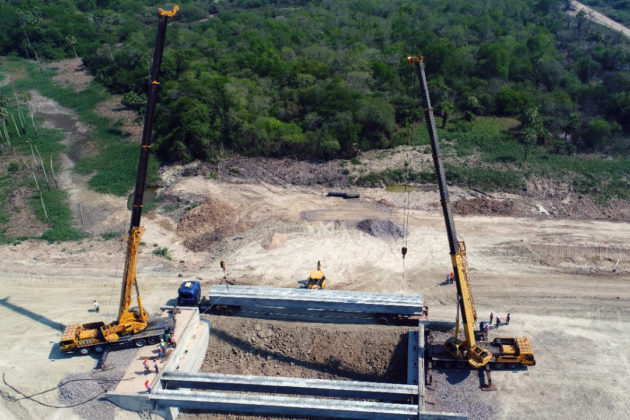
189	293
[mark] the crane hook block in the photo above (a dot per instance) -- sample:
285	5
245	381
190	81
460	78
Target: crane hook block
417	59
171	13
404	251
223	265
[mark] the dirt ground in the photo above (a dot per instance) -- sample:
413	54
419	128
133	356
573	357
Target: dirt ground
565	282
597	17
303	350
564	277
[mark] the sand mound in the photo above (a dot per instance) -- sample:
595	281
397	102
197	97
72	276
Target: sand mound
380	228
206	224
274	241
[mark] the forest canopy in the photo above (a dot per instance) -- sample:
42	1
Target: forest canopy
326	79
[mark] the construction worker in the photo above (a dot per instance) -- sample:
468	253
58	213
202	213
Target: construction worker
507	319
97	307
491	317
167	338
147	386
450	278
498	322
146	366
160	352
173	343
155	365
486	330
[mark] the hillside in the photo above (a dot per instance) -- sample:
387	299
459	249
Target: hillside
310	82
327	79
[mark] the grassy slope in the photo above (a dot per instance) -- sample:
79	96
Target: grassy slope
113	166
495	161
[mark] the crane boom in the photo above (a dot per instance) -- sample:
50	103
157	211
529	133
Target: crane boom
135	230
476	355
84	337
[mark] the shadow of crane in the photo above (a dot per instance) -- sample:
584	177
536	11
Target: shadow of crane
30	314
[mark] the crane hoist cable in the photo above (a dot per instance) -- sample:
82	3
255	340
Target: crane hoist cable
406	210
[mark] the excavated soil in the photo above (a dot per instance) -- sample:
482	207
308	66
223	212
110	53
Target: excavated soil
283	171
484	206
303	350
209	223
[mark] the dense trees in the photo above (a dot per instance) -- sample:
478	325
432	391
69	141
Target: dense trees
324	78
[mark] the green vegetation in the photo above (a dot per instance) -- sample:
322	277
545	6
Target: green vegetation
162	252
324	79
59	216
519	88
496	161
111	235
115	164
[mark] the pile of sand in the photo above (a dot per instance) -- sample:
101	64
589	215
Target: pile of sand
206	224
274	241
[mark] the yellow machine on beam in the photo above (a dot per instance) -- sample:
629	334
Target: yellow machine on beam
511	350
132	326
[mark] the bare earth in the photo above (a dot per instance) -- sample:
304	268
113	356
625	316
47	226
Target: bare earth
564	277
555	277
602	19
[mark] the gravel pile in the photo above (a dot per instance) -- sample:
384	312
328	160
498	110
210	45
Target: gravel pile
96	384
380	228
458	391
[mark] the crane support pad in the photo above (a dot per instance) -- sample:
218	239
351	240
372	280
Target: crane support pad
332	300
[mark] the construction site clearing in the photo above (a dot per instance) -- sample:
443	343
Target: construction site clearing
389	337
554	277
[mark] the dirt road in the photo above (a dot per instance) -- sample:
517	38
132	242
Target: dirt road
602	19
554	276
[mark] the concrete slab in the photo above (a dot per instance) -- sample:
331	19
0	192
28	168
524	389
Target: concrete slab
292	386
275	405
412	358
306	299
134	378
420	367
191	335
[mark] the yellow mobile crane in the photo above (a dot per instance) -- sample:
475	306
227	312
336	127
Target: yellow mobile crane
133	326
512	351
